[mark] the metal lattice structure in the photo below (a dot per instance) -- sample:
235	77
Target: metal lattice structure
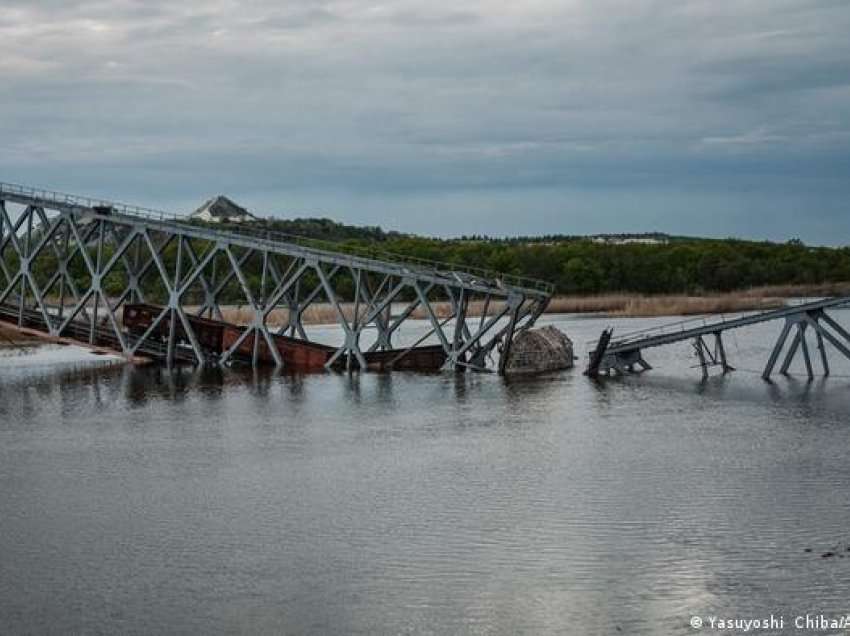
68	264
625	354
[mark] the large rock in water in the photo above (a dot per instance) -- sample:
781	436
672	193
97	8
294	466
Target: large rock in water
539	350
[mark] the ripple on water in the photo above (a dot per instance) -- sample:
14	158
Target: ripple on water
148	501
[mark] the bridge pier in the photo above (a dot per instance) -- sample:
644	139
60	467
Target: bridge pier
708	358
623	362
801	322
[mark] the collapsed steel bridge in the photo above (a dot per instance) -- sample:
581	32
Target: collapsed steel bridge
68	264
625	354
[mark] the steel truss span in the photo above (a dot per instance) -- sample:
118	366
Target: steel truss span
69	266
625	354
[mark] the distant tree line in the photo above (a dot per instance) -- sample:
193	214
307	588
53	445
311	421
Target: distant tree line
575	265
581	266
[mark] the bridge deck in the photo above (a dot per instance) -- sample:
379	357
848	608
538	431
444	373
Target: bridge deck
625	353
676	332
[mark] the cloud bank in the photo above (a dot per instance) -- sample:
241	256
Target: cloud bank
722	118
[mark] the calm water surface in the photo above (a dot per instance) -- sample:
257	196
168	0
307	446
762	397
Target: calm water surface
138	501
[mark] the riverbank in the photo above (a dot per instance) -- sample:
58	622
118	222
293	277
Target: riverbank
24	347
629	305
638	306
11	338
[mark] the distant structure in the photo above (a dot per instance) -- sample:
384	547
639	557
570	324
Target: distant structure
627	239
220	209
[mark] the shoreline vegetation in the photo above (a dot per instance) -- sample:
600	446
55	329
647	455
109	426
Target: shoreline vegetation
620	305
623	305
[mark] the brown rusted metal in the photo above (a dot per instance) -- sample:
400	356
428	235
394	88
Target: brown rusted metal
428	358
215	336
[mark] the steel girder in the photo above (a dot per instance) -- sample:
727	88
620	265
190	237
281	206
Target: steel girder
71	269
797	324
824	327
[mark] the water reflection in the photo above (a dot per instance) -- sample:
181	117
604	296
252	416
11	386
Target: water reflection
223	500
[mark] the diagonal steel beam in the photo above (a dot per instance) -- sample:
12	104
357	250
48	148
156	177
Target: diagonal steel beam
805	346
835	326
352	345
792	351
822	350
835	342
259	326
150	330
509	333
777	349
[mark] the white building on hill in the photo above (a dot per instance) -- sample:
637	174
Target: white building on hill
628	239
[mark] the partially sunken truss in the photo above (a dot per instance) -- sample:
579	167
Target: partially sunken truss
625	353
69	265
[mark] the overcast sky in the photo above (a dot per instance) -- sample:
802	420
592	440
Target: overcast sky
698	117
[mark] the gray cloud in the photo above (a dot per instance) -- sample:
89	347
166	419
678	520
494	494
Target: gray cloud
582	108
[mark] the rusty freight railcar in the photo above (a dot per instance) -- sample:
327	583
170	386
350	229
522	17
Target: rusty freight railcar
215	337
428	358
298	355
139	317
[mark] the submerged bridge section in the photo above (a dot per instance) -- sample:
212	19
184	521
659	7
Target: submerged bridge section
625	354
72	266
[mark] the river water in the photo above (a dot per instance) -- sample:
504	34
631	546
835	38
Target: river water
134	500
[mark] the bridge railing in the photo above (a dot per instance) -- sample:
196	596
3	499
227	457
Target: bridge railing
73	200
458	270
722	321
680	326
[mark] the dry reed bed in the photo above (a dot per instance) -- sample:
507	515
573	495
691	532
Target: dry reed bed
799	291
625	305
617	304
633	305
326	314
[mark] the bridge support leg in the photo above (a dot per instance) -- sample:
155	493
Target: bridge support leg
777	349
822	349
805	346
509	336
799	343
699	345
721	352
822	332
792	351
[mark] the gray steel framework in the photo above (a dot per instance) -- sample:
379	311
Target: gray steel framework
73	262
624	354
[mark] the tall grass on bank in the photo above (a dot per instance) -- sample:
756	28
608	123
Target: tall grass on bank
646	306
621	304
613	304
326	314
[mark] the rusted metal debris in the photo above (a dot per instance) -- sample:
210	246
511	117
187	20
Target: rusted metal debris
216	336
